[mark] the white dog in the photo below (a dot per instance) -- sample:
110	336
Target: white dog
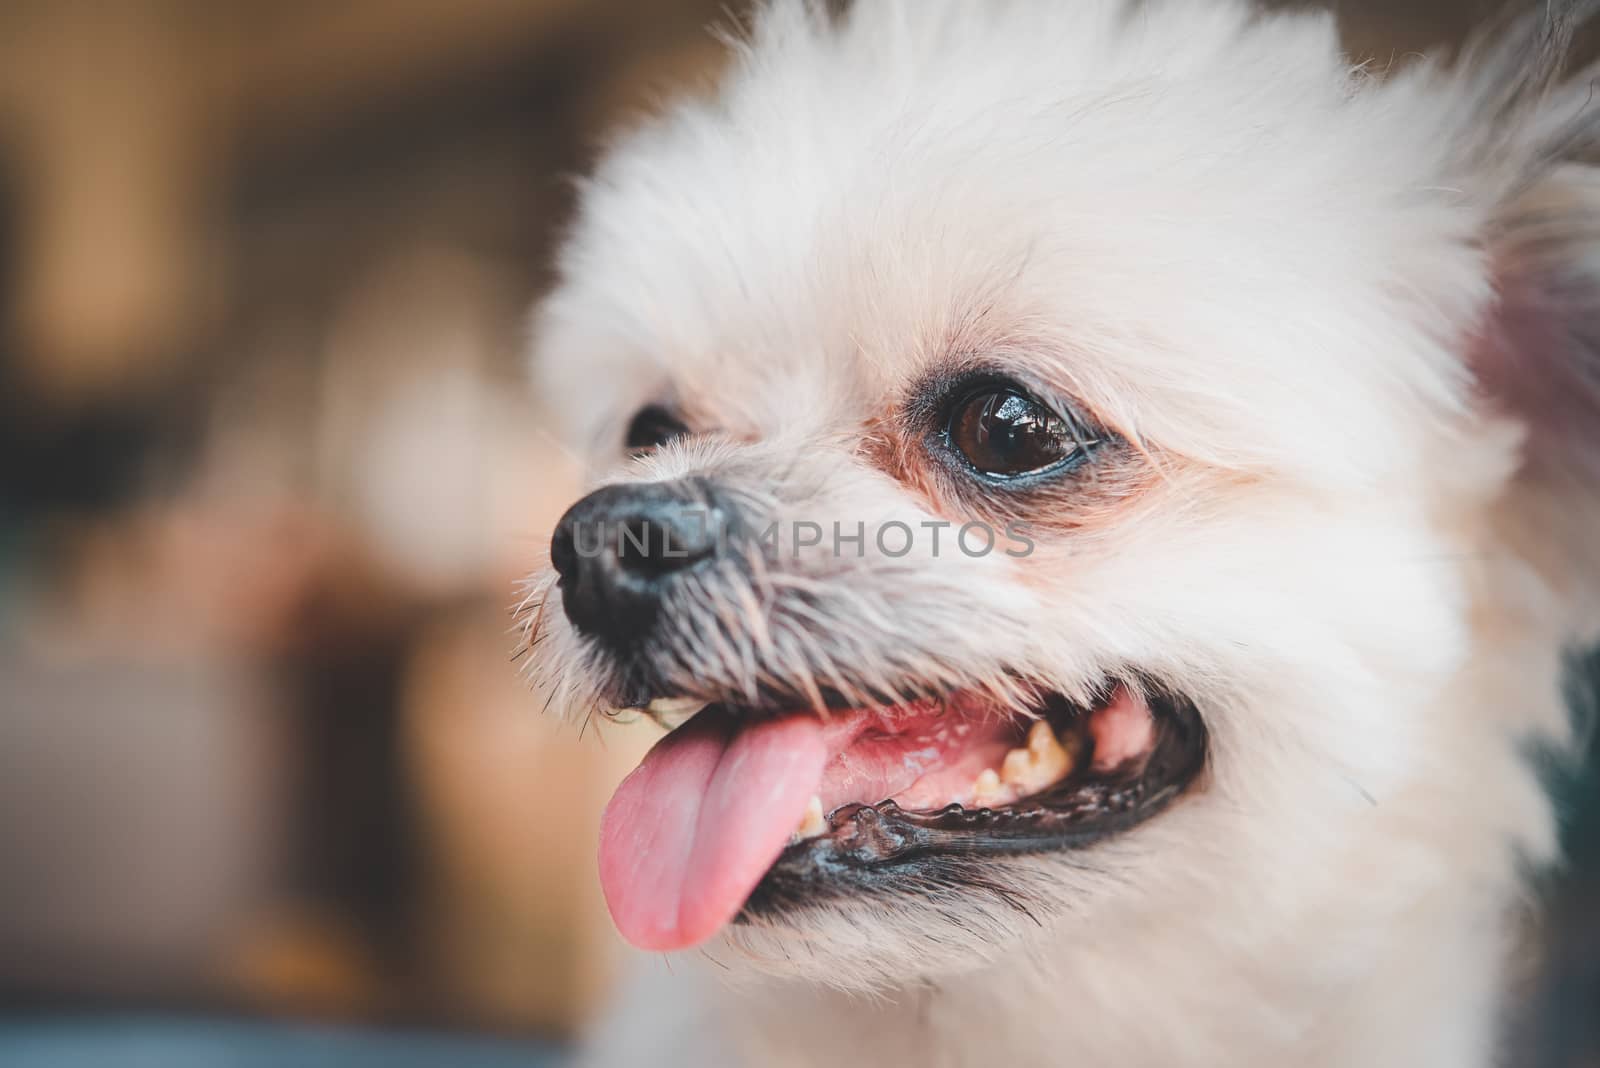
1122	483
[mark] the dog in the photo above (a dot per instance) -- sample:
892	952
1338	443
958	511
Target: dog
1104	496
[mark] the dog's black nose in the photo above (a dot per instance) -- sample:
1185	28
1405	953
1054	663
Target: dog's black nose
620	550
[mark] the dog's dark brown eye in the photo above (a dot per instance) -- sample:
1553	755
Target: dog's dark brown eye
1005	433
653	426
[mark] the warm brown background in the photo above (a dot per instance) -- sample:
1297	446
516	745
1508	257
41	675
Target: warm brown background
268	475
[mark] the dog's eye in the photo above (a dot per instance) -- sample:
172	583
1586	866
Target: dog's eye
653	426
1003	432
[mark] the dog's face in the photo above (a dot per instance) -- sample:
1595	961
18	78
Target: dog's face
964	369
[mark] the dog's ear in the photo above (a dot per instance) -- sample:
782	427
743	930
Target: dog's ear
1538	359
1540	355
1537	354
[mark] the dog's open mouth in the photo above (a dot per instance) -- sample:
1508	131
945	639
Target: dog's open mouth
733	814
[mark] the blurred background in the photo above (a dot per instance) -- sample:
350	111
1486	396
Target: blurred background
269	783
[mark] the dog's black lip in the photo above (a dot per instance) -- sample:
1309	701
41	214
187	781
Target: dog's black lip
882	846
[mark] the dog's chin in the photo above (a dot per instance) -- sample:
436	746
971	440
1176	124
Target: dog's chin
930	814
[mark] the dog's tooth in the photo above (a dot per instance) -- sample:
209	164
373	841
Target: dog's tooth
814	822
1017	767
670	706
987	787
673	711
1043	763
1054	758
1041	739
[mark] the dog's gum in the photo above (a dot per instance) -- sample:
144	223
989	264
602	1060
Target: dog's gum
1043	763
814	822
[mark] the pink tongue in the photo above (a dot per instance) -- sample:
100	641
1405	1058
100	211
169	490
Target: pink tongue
690	833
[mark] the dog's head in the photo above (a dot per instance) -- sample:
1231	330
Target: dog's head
1077	456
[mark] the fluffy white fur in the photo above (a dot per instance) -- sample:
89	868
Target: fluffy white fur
1348	320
